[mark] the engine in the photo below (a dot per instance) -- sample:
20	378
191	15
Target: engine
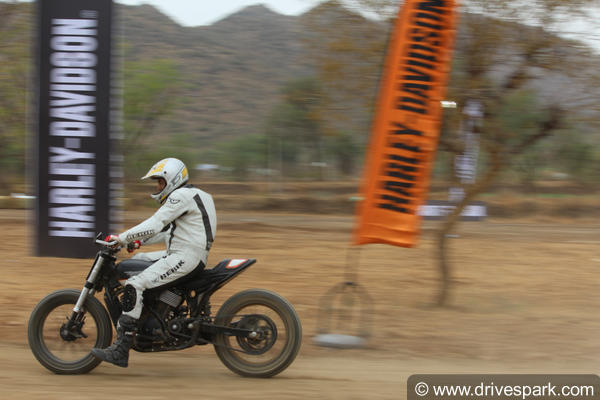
166	307
170	298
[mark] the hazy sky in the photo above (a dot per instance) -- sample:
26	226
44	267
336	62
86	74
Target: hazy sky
205	12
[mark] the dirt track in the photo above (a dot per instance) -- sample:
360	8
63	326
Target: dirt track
525	300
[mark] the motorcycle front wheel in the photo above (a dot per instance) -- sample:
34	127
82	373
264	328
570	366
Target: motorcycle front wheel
62	351
276	339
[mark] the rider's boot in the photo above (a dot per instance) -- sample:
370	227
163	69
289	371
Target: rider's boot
118	352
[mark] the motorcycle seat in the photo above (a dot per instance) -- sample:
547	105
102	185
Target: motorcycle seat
198	278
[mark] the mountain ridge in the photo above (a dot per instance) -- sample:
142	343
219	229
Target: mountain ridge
233	69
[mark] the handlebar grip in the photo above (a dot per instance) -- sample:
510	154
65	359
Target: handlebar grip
104	243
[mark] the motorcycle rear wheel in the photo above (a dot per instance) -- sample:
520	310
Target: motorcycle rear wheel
67	355
279	328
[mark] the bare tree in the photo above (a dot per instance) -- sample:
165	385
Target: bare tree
505	48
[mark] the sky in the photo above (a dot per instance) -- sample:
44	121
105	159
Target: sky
206	12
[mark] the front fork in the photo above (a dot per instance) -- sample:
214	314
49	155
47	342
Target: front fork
90	281
76	319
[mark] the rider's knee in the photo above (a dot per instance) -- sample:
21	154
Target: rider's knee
130	298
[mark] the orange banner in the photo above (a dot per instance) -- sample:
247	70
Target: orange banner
407	123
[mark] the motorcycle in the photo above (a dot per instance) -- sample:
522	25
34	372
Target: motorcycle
255	333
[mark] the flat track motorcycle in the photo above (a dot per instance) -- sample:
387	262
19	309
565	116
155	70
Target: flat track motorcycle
255	333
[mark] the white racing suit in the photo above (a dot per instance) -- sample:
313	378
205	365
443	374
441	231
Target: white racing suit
187	221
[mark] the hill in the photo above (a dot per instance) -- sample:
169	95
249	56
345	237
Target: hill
232	70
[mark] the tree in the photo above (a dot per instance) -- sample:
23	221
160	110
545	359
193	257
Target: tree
508	130
505	51
150	93
347	50
15	37
294	127
244	154
344	151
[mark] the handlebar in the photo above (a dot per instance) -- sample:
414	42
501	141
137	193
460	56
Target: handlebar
108	244
112	246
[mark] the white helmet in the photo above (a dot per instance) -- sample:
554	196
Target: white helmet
173	171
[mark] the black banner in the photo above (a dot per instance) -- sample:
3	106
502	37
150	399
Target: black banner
75	197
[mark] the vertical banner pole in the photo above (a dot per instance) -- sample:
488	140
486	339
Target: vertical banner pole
74	198
407	123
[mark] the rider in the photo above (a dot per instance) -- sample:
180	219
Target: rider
187	219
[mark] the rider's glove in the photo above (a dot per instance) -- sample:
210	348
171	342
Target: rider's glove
133	246
114	240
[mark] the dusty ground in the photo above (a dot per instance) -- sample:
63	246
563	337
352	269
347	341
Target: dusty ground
525	300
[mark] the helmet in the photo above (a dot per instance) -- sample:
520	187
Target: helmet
173	171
